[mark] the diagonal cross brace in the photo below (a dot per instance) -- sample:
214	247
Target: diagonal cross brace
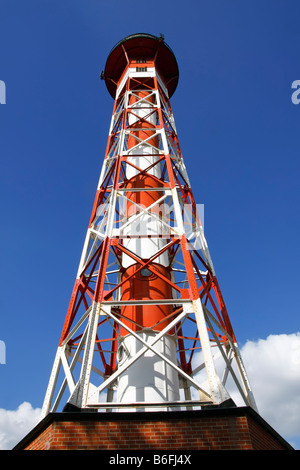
149	346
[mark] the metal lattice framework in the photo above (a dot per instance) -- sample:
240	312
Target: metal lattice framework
87	367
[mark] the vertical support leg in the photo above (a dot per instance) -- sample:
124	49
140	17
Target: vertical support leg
51	385
80	395
217	390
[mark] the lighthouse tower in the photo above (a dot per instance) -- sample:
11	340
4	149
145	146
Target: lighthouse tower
147	326
147	357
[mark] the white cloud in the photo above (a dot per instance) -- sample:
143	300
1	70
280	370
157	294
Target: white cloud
15	424
273	367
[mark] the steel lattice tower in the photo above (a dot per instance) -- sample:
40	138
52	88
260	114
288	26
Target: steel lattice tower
147	327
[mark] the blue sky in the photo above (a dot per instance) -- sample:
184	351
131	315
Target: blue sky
239	134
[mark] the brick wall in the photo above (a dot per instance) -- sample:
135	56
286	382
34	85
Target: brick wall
221	429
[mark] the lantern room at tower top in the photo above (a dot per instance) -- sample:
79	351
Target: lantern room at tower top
139	48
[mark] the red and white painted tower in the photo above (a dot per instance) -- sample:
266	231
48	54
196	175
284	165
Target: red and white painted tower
147	327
